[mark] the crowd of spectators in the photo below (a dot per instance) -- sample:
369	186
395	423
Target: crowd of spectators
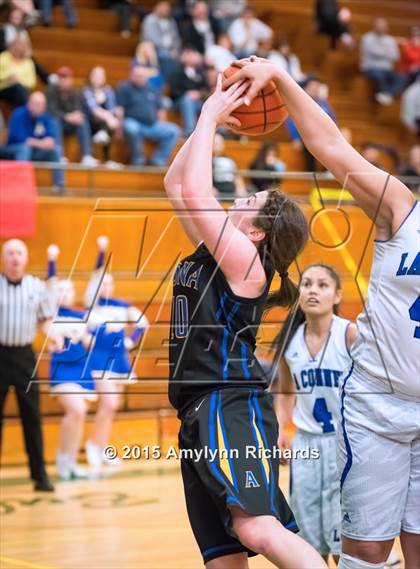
182	47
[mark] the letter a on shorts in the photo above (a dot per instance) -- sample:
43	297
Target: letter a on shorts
250	480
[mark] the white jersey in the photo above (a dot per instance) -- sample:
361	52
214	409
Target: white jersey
317	408
388	342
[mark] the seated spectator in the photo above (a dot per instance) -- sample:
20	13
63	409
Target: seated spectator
126	10
189	88
30	14
14	28
146	56
31	135
374	152
247	31
17	72
412	168
267	160
160	28
220	54
410	55
70	15
319	93
102	111
410	107
334	22
226	11
201	31
226	181
144	118
282	56
66	105
379	53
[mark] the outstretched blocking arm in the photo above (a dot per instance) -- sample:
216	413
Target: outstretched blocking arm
383	197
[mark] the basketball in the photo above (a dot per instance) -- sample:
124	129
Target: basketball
266	112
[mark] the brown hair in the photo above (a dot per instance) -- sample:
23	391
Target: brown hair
286	233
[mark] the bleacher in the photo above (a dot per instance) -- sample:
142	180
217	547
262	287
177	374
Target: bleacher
74	221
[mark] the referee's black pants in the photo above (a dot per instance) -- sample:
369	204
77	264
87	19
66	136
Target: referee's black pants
16	368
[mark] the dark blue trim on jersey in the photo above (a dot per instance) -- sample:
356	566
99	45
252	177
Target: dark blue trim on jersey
290	478
401	224
251	414
226	441
226	330
222	303
260	425
349	452
244	361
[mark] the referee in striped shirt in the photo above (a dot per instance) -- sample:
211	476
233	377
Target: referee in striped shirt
24	303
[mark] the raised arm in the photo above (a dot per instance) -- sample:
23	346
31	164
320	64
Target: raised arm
97	274
173	187
235	253
383	198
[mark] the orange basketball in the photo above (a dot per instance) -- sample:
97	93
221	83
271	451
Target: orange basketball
266	112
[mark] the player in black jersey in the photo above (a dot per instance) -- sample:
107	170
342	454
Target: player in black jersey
229	431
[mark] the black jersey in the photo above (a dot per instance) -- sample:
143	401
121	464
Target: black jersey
212	332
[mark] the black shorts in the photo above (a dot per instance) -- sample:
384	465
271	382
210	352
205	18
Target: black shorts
236	431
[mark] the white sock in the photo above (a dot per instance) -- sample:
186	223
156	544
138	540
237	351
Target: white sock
348	562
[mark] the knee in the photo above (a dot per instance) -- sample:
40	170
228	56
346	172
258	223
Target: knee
368	551
173	131
252	534
110	405
131	128
77	413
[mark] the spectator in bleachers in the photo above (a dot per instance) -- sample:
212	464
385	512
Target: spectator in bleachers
31	135
161	29
412	167
65	103
334	22
226	180
189	88
102	111
70	15
144	118
379	54
318	92
17	72
247	31
201	31
226	11
410	55
410	107
14	28
282	56
145	55
126	10
220	54
267	160
373	152
29	11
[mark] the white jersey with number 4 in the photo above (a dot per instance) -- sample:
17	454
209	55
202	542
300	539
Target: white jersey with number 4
317	408
388	341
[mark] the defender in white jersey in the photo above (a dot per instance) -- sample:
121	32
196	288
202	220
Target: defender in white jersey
379	436
313	347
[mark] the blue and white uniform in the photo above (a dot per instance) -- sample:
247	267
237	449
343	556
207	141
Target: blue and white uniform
69	370
107	321
379	429
314	484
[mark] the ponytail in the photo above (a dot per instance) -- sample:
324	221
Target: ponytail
286	234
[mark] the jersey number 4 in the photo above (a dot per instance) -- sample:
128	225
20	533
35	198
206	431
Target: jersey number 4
322	415
414	312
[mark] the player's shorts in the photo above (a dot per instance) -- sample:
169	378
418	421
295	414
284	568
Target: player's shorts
315	492
66	387
239	426
378	453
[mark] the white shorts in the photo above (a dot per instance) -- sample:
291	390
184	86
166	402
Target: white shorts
378	457
315	493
